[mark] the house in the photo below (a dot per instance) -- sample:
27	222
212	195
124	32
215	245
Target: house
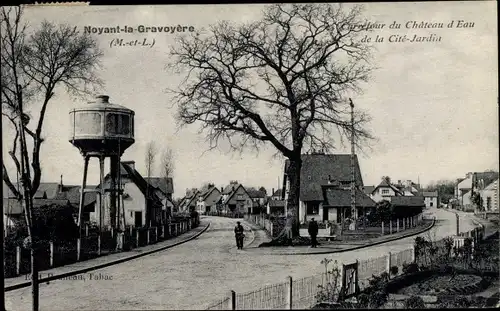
188	202
431	198
489	196
236	199
141	205
472	181
258	196
337	200
164	189
275	207
410	202
55	193
318	170
385	191
208	199
277	195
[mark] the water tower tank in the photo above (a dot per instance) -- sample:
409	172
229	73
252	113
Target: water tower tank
102	127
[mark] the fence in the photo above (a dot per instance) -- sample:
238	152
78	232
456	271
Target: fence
301	293
91	245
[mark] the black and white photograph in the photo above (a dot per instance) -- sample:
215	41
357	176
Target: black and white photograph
250	156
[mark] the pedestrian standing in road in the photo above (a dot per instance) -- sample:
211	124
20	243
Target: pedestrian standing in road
313	232
239	235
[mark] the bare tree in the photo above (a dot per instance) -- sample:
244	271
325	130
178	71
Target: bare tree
150	157
283	80
32	67
167	163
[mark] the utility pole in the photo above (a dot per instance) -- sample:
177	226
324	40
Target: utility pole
353	169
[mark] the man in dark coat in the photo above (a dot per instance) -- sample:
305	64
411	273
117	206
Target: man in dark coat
313	232
239	235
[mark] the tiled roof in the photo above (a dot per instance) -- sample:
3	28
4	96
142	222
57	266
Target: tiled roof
206	192
316	168
368	189
14	207
337	197
277	193
165	185
429	194
255	193
230	188
276	203
386	183
140	182
411	201
72	194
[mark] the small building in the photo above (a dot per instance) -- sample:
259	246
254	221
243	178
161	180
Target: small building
208	199
235	199
489	197
473	181
259	198
385	191
337	200
138	198
277	195
276	207
431	198
189	201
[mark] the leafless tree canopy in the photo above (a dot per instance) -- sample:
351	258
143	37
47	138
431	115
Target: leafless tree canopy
167	163
150	157
32	66
282	79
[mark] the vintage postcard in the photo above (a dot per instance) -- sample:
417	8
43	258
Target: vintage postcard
250	156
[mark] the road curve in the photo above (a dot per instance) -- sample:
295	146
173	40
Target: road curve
196	273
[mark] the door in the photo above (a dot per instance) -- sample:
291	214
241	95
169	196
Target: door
207	209
325	213
138	219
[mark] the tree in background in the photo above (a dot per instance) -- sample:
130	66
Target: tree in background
283	80
149	159
33	67
445	189
167	163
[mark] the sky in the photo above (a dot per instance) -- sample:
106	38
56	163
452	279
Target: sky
434	105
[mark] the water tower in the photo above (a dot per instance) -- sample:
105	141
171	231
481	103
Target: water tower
103	130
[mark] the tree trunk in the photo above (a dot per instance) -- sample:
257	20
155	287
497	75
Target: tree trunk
293	175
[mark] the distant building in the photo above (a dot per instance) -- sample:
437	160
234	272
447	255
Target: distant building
473	181
236	199
489	197
208	199
431	198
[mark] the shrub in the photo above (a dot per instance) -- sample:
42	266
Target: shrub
394	270
414	302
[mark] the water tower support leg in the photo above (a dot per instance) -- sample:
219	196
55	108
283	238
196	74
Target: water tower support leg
82	191
101	201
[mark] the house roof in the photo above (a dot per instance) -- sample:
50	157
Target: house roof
140	182
368	189
256	194
206	192
236	190
487	177
45	190
410	201
165	185
338	197
72	194
317	168
277	193
430	194
230	188
491	185
386	183
14	207
276	203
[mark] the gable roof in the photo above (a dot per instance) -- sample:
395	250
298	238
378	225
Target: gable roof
277	193
14	206
492	185
236	190
385	183
410	201
338	197
316	168
206	192
276	203
165	185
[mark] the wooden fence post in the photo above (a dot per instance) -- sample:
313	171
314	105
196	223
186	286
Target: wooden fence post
78	251
137	237
397	225
232	300
289	296
390	226
86	230
147	236
131	230
156	234
99	245
404	223
382	228
388	267
413	255
18	260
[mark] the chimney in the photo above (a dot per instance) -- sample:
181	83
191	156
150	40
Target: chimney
61	184
221	189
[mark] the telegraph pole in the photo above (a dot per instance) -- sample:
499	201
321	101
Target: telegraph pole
353	169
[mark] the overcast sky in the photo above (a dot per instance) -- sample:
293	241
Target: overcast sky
434	104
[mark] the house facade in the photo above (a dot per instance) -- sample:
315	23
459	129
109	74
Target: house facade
259	198
490	196
189	201
138	197
235	199
431	198
320	170
385	191
208	199
473	181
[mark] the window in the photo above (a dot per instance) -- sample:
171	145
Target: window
488	203
118	124
312	208
432	203
87	123
385	191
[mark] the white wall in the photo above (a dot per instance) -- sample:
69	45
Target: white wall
377	195
429	200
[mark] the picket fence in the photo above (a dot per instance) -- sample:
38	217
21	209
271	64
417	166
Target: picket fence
353	277
91	245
